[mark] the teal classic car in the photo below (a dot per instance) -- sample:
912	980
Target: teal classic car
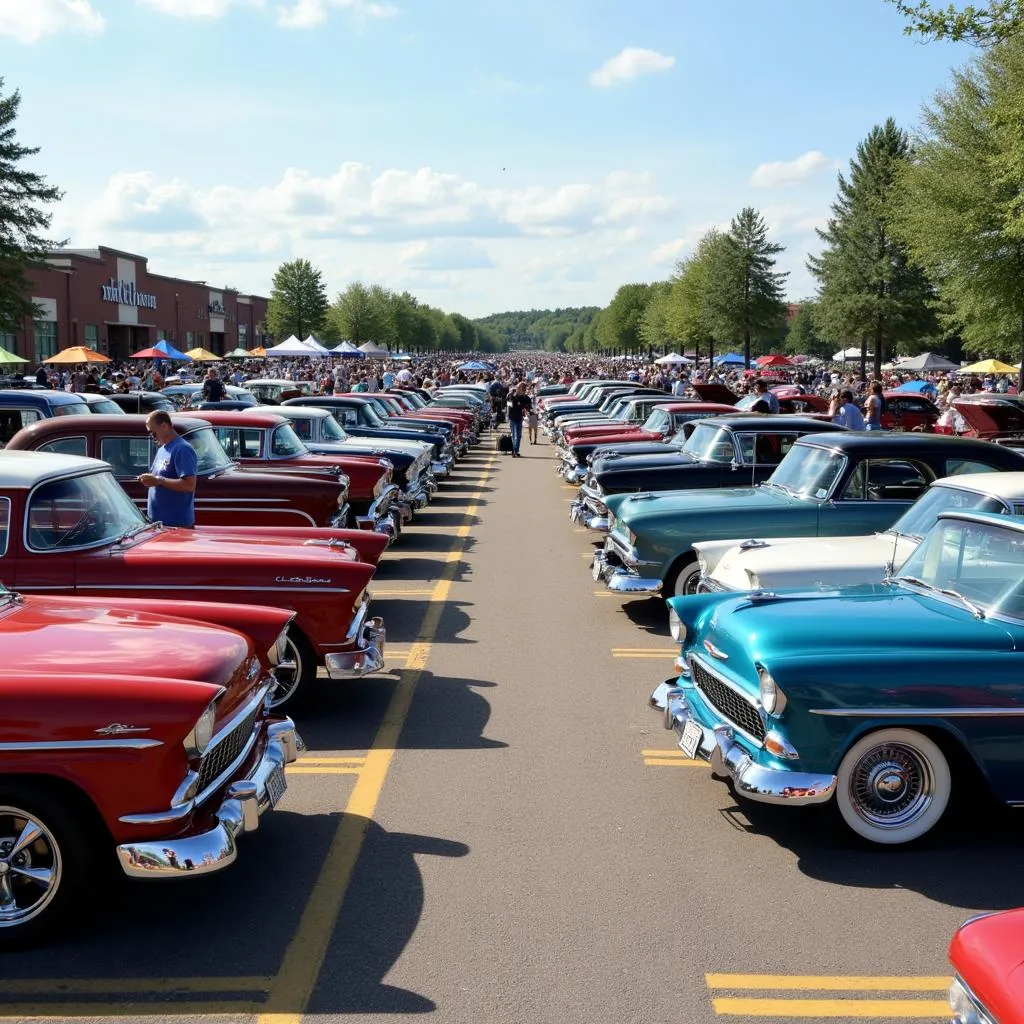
827	485
881	697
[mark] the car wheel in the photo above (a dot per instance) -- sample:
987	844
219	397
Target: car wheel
893	786
683	578
293	682
46	861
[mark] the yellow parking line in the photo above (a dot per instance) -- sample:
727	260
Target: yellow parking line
932	1009
298	769
828	982
421	592
331	760
674	762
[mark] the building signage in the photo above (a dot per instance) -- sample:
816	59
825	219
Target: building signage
124	293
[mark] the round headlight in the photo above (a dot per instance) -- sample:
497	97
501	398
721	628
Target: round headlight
202	732
676	626
772	698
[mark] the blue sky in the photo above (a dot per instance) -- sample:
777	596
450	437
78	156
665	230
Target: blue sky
483	156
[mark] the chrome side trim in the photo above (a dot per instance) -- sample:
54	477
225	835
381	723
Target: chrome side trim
920	712
82	745
165	586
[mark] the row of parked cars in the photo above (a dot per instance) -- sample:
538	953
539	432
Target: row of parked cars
849	609
147	672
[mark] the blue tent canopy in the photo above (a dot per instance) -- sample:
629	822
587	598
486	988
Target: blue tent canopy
171	352
920	387
347	351
729	357
476	366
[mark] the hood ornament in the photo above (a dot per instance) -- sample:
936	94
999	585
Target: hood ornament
714	651
118	729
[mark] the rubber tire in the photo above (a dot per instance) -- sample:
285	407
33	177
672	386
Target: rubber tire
301	651
925	748
77	846
684	571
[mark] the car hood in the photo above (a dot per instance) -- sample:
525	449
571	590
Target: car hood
633	460
44	636
628	507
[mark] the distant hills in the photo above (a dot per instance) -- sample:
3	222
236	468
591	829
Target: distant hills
547	329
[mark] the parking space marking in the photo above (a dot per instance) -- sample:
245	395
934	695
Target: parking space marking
327	766
676	759
304	957
420	592
800	1006
645	652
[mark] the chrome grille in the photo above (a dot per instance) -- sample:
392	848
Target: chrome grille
724	699
226	750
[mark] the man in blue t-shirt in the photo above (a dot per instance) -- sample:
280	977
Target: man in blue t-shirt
172	477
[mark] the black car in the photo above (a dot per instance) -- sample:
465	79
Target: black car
143	401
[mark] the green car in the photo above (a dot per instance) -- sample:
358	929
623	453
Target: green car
827	485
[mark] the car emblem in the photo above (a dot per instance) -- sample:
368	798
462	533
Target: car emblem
714	651
117	729
300	579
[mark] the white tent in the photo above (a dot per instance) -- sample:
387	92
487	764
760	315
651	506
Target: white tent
291	346
848	353
673	359
315	346
347	349
371	348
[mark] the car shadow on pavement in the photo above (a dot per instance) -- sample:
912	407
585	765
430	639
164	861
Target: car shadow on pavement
972	859
415	540
446	501
399	572
444	519
650	615
217	928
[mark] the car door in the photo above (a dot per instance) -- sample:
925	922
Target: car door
872	495
44	566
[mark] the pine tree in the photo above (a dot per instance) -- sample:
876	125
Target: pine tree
298	301
869	288
22	196
745	297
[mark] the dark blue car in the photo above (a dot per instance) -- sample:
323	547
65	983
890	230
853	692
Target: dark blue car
20	408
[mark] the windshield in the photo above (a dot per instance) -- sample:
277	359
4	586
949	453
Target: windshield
80	511
105	408
331	429
70	408
286	443
921	516
709	443
211	457
807	471
371	414
979	563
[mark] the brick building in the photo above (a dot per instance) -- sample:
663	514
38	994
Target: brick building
110	301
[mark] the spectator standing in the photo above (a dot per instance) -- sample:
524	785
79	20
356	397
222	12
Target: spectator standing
213	387
172	476
764	396
42	378
519	405
844	412
874	407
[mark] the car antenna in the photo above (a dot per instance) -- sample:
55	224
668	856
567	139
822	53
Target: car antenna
891	567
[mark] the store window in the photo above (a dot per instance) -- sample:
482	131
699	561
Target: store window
242	336
202	338
161	334
92	336
46	339
7	340
190	339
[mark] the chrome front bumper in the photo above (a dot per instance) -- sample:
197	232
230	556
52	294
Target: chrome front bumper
340	518
383	516
730	761
620	579
571	473
367	637
589	510
244	801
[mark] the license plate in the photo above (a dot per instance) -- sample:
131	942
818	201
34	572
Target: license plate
276	785
689	742
595	570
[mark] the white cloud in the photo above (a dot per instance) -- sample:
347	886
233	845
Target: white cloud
28	21
310	13
198	8
792	172
631	63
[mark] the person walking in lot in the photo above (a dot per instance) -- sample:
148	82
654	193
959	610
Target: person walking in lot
519	405
532	423
874	407
172	477
213	387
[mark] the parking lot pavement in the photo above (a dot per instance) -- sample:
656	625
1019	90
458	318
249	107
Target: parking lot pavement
498	829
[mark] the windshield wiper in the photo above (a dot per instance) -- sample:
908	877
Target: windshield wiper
975	610
915	580
128	534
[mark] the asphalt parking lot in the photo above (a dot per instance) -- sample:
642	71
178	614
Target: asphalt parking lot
498	829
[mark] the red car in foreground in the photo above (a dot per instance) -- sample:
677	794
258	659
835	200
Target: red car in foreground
987	954
134	735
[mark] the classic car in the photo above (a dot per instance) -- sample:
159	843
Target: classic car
20	408
595	412
722	451
905	411
225	496
159	764
828	485
102	405
402	410
261	441
320	432
360	419
661	429
781	562
66	526
272	391
992	417
183	395
883	696
987	952
628	415
142	401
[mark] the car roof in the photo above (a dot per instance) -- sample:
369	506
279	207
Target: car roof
60	425
235	417
898	442
29	397
999	519
276	380
26	469
769	422
1009	485
290	412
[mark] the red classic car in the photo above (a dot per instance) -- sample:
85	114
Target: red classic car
988	956
67	527
161	762
991	417
262	441
906	411
225	496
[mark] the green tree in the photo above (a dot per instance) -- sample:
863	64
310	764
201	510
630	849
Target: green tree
689	315
981	24
361	314
619	324
298	301
744	289
959	204
654	330
23	196
869	287
804	337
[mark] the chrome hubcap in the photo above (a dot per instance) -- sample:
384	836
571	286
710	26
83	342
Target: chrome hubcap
891	786
30	867
287	678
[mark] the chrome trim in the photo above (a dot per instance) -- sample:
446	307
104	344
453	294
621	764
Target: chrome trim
118	729
193	587
977	712
738	690
82	745
182	804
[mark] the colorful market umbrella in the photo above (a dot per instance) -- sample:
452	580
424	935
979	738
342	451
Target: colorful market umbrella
77	354
168	351
9	357
258	353
203	355
148	353
989	366
774	361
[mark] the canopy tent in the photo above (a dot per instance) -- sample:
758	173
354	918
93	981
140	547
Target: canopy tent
148	353
774	361
168	351
848	353
77	354
371	348
202	355
7	358
989	366
347	351
927	361
291	346
920	387
729	359
313	345
673	359
258	352
239	353
475	366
